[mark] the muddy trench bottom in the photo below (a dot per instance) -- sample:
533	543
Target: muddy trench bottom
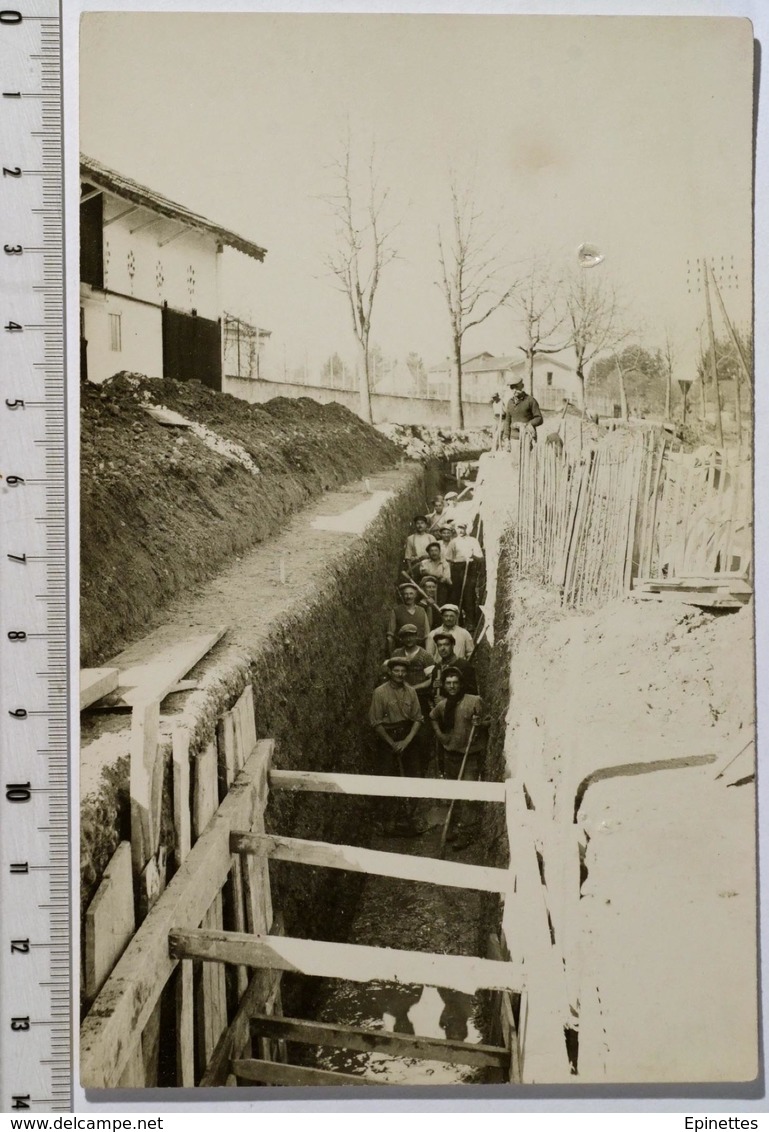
413	916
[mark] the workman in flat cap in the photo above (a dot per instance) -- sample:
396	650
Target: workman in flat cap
522	414
417	543
438	567
396	717
407	612
458	720
446	658
463	642
429	602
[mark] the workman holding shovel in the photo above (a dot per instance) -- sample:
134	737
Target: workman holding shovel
396	717
464	556
459	725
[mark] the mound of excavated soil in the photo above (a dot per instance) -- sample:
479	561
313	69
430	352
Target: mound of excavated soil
163	508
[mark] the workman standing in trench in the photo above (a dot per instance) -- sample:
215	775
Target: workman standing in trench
465	557
407	613
396	718
459	725
463	642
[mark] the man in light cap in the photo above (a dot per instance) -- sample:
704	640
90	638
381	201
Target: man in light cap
396	718
465	556
439	567
407	613
463	642
521	413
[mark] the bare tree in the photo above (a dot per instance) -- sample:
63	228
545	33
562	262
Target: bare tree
669	358
469	280
595	321
363	248
541	316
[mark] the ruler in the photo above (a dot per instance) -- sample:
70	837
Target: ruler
35	912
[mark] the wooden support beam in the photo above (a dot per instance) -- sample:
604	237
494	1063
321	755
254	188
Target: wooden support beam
156	678
95	683
146	782
128	998
327	855
355	962
384	786
263	989
368	1041
274	1073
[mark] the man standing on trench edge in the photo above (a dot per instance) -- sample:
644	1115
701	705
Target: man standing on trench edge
522	412
458	723
396	718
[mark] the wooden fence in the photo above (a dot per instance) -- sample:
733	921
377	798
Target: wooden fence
633	510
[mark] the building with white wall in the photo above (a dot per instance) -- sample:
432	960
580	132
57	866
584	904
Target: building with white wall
150	282
485	374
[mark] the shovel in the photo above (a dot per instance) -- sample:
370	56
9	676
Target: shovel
447	823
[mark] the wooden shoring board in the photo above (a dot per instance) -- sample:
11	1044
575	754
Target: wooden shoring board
230	761
354	962
354	858
211	1015
262	994
146	783
244	720
128	998
274	1073
513	1067
543	1048
156	678
95	683
387	786
379	1041
185	1008
109	920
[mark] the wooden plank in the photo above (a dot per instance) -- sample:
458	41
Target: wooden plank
244	721
327	855
211	1012
273	1073
156	678
185	1027
384	786
182	812
126	1001
368	1041
263	989
146	783
355	962
109	920
95	683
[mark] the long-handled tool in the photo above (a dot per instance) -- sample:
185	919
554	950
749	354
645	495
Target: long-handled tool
419	589
464	583
445	830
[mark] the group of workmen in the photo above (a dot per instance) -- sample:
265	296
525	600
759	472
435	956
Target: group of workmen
426	715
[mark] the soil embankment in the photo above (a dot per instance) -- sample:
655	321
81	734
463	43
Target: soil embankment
165	507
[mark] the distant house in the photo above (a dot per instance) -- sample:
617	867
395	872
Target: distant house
149	282
485	374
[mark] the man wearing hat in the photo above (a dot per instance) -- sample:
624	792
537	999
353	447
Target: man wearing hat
407	613
396	718
521	413
464	556
446	658
418	660
437	566
463	642
436	518
430	602
458	723
417	543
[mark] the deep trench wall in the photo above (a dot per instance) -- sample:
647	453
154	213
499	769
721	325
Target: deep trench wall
161	511
313	681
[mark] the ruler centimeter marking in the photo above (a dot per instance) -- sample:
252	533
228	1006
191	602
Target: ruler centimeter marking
35	903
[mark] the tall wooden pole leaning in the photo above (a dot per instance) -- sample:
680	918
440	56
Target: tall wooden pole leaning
743	365
713	365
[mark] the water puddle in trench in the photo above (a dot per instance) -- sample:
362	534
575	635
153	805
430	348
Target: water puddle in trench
418	917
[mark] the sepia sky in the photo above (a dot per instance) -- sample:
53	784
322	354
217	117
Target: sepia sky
631	133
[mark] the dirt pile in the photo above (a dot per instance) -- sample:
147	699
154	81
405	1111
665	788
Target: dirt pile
420	442
163	508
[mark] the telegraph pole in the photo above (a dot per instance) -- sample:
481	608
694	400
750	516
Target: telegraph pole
713	364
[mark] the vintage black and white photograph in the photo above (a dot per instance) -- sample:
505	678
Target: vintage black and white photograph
416	505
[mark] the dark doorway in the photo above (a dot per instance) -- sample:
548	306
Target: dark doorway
192	348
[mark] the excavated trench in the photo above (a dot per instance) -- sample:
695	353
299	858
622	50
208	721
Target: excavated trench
313	664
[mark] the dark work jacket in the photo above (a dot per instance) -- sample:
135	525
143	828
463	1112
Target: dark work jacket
525	412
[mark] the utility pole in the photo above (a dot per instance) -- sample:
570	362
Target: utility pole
713	365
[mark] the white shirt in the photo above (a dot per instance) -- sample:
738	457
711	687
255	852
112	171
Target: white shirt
463	548
463	642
